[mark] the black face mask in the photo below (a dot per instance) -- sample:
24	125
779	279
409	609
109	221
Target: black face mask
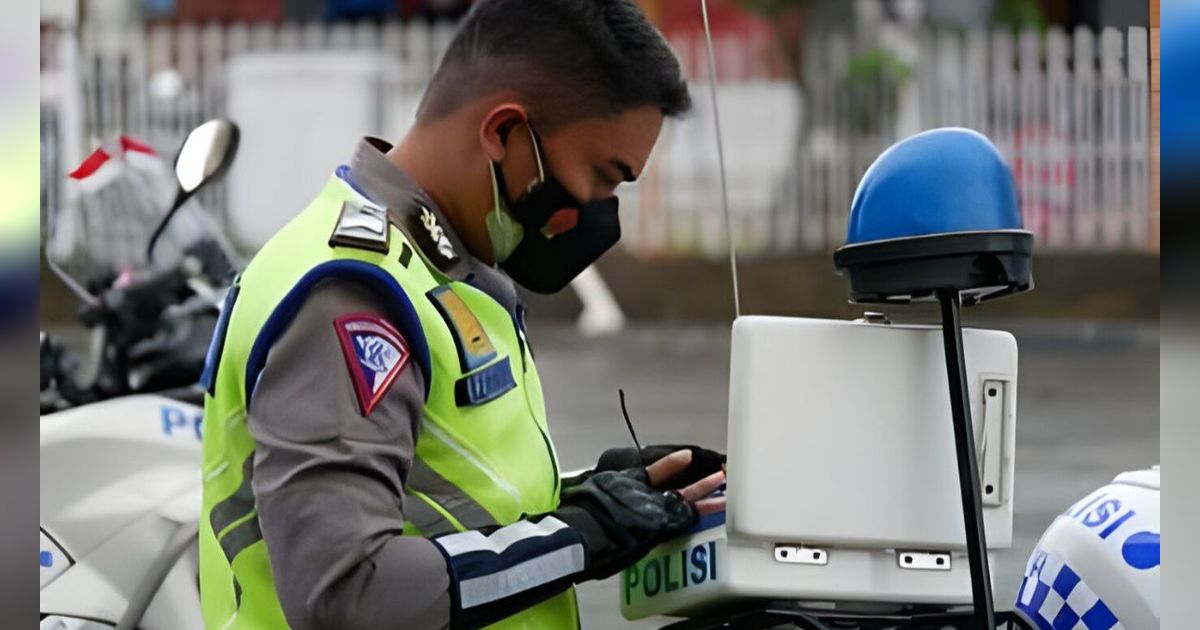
551	251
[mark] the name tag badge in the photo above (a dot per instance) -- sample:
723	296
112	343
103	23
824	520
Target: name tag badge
475	349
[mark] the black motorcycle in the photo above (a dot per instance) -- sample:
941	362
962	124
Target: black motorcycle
149	325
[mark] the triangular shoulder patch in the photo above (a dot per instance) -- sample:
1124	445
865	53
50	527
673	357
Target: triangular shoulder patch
375	354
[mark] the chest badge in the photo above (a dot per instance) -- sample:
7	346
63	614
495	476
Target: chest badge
437	234
375	355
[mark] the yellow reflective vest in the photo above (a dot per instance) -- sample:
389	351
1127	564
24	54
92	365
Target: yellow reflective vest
484	426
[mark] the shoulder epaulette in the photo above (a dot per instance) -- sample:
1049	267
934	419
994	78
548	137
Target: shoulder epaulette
362	225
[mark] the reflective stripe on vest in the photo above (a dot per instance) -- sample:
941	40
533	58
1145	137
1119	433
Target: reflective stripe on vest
475	464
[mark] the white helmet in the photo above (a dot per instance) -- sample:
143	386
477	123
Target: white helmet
1097	566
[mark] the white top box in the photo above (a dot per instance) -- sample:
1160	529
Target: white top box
840	434
843	479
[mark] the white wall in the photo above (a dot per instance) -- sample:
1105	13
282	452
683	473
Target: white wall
61	12
300	114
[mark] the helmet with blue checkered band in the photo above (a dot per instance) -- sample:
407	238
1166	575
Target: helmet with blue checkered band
936	211
1097	566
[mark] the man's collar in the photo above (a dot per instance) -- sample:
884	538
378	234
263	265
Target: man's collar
415	213
408	207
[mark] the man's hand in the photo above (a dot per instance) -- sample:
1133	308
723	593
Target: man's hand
665	474
622	515
701	463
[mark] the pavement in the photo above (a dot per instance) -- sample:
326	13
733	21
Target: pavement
1087	410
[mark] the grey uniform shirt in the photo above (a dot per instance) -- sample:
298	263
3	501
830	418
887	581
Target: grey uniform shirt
329	482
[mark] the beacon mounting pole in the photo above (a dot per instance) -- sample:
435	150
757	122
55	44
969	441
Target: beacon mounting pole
983	616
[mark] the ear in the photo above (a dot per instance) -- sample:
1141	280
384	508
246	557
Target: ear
495	128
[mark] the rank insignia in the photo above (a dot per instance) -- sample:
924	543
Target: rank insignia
363	226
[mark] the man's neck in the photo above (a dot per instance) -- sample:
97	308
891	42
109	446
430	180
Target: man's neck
435	160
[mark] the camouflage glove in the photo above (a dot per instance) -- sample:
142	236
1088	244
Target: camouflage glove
620	518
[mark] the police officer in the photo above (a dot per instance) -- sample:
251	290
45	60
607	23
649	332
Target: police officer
376	452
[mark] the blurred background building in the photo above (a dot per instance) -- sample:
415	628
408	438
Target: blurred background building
810	92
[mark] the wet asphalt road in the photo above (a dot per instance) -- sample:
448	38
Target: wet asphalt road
1087	410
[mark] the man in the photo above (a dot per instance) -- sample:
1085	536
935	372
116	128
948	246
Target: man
376	452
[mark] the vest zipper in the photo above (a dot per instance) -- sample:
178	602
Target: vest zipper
553	459
523	346
520	330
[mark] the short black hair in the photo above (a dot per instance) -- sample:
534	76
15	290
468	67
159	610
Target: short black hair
567	60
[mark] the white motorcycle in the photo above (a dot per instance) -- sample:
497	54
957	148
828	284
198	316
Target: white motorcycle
120	450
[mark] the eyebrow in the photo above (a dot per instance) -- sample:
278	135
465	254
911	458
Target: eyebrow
626	172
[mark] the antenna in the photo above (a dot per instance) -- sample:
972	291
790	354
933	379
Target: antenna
712	85
628	423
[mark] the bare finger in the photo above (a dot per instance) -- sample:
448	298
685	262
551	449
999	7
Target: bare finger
711	505
703	488
667	467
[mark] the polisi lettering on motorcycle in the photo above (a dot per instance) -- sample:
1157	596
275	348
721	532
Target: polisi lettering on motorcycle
175	422
1101	513
670	572
1099	562
1098	511
1140	550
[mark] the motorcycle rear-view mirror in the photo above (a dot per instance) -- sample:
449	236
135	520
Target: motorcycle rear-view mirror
206	154
204	157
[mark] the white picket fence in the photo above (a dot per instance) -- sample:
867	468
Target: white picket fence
1068	111
1072	119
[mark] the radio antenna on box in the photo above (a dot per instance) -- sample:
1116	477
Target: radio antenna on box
629	423
712	85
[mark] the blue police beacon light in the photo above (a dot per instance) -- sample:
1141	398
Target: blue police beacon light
937	211
936	218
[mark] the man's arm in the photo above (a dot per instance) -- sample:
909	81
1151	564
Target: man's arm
329	486
328	482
